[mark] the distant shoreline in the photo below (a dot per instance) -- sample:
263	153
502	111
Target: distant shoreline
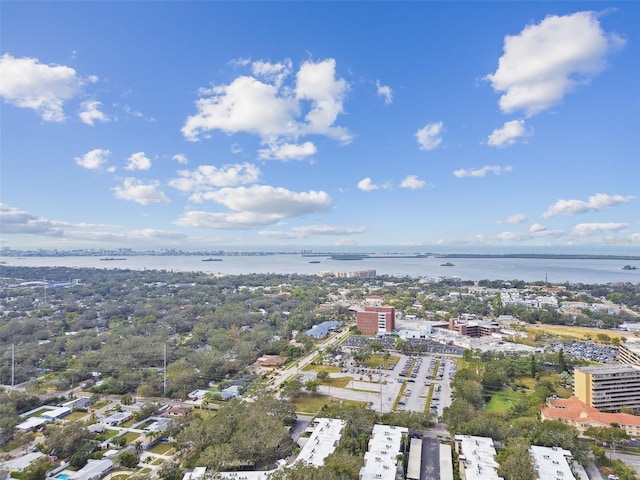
545	256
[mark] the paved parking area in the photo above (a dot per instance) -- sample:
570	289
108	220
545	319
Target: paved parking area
381	388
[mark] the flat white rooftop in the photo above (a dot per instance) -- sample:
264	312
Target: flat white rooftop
322	442
551	463
477	457
380	461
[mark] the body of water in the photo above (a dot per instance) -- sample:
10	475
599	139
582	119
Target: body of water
588	271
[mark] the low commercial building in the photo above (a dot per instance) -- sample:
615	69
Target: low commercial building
608	387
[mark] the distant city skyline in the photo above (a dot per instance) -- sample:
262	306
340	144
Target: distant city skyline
435	125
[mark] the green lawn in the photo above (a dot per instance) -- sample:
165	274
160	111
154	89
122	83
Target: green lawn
502	401
161	448
340	382
375	360
312	404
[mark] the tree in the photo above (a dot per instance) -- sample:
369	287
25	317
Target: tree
515	461
129	459
170	471
322	375
311	386
291	389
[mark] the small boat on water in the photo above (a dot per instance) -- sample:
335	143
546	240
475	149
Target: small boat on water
211	259
111	259
314	261
629	267
448	264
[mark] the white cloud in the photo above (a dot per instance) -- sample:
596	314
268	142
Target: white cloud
181	158
27	83
366	185
547	60
537	228
508	134
312	230
385	92
430	136
270	109
288	151
90	112
229	221
267	200
317	83
94	159
143	193
412	182
481	172
273	72
138	161
599	201
208	177
585	229
515	219
15	221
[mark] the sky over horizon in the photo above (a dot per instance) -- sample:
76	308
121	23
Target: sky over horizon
194	125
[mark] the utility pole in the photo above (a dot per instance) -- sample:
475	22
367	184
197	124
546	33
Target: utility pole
164	369
13	364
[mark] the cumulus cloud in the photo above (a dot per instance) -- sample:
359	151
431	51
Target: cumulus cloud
313	230
268	200
94	159
181	158
412	182
138	161
599	201
288	151
430	136
385	92
545	61
90	112
481	172
367	185
208	177
228	221
585	229
137	191
265	105
15	221
273	72
515	219
27	83
508	134
20	222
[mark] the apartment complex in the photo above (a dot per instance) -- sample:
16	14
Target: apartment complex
608	387
629	353
374	320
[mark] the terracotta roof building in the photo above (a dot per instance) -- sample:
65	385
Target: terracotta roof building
582	416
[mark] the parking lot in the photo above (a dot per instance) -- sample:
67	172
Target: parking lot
404	386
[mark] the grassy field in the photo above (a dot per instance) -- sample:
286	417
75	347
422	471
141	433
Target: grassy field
162	448
375	360
579	333
340	382
502	401
312	404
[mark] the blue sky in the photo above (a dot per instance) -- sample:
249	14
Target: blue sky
253	124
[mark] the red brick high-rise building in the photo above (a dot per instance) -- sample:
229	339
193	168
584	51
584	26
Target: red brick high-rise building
376	320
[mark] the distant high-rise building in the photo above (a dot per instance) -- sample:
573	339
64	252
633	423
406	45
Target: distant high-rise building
376	320
608	387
